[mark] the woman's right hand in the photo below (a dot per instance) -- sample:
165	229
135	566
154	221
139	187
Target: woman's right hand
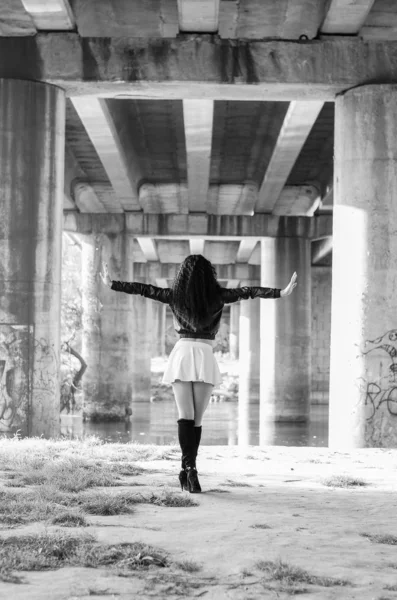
105	275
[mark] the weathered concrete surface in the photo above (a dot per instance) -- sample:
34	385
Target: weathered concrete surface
363	389
220	69
108	329
211	227
249	364
234	328
249	351
32	142
285	334
158	329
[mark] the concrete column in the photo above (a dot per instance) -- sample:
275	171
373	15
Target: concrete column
285	334
32	142
363	373
249	364
158	311
143	335
109	329
234	330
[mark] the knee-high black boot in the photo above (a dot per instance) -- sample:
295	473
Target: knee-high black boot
187	441
197	431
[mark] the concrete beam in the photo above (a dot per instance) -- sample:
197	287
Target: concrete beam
198	118
78	192
298	201
196	246
232	199
200	17
148	248
327	201
320	249
15	20
297	124
346	17
257	19
165	198
208	66
122	171
168	271
245	250
50	14
204	226
233	283
126	18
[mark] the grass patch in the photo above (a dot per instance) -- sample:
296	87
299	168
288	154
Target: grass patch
45	551
103	503
19	508
260	526
7	576
68	474
381	538
289	576
125	556
189	566
391	587
218	491
167	498
35	453
344	481
69	518
47	503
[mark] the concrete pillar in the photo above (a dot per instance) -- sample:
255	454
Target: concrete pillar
158	311
32	142
143	335
363	373
285	334
109	328
249	364
234	330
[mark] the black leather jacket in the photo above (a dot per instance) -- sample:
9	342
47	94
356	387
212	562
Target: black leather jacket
208	327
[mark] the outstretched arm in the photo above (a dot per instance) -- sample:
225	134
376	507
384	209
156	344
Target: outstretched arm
230	295
143	289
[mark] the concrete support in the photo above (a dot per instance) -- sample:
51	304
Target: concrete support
143	334
109	329
363	373
234	328
32	142
158	321
249	363
285	334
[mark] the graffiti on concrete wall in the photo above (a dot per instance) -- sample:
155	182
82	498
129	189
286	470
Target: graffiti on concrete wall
380	391
14	375
28	369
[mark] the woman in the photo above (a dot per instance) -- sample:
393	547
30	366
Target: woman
196	300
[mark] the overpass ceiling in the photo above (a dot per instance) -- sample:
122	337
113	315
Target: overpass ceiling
249	19
213	156
151	137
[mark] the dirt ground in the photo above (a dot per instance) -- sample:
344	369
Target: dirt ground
258	504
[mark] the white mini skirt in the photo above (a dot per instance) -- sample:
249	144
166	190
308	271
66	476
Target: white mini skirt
192	360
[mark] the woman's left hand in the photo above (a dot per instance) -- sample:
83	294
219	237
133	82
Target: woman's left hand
290	287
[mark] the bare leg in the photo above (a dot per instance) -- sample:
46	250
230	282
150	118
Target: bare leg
183	392
201	397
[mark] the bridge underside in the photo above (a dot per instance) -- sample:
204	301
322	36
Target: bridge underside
261	134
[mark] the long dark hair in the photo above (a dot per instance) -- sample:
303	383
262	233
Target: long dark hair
195	287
